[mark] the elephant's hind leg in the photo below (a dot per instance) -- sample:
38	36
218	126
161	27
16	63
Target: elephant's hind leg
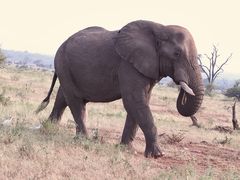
129	131
78	109
58	108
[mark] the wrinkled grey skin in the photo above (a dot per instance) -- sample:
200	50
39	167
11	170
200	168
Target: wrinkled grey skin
97	65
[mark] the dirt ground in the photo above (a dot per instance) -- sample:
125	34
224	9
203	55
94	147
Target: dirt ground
201	154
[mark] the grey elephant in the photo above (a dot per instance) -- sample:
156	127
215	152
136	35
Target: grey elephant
97	65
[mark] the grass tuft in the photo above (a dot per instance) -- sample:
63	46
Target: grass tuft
5	101
49	128
174	138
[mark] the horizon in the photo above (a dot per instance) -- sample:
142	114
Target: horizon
229	76
41	27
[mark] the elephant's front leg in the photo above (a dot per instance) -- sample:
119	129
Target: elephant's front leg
135	91
129	131
131	127
141	112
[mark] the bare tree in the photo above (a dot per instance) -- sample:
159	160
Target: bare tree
212	69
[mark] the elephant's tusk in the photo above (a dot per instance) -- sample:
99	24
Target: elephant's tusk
186	88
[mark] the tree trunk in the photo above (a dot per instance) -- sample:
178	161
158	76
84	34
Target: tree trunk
234	119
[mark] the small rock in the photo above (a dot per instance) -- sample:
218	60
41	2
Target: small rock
36	127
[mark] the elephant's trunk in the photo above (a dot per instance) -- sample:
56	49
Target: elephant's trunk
187	103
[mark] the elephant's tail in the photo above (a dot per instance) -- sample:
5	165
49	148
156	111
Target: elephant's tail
45	102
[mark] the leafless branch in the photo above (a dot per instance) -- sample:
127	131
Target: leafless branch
212	70
204	68
217	74
220	68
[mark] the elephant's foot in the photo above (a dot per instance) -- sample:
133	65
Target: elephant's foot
126	142
129	147
153	151
81	131
81	135
53	120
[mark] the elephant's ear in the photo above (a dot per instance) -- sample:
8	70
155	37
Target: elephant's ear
136	43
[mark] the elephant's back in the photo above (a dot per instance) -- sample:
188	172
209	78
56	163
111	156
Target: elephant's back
87	32
93	62
92	50
91	44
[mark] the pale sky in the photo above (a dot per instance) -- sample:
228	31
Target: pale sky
41	26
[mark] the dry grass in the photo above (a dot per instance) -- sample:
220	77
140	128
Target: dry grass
53	153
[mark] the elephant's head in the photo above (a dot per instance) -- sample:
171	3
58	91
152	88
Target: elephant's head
158	51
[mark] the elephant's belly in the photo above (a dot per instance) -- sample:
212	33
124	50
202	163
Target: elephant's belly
97	84
99	91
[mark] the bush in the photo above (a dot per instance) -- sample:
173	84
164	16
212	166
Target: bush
234	91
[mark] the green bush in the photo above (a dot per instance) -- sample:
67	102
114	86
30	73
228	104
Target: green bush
234	91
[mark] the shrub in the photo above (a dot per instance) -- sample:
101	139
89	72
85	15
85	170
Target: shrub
233	92
174	138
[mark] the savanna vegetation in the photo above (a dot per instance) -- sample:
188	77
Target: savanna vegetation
51	152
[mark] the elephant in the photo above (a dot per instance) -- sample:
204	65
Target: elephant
98	65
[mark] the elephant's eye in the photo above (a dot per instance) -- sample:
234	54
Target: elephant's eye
177	53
